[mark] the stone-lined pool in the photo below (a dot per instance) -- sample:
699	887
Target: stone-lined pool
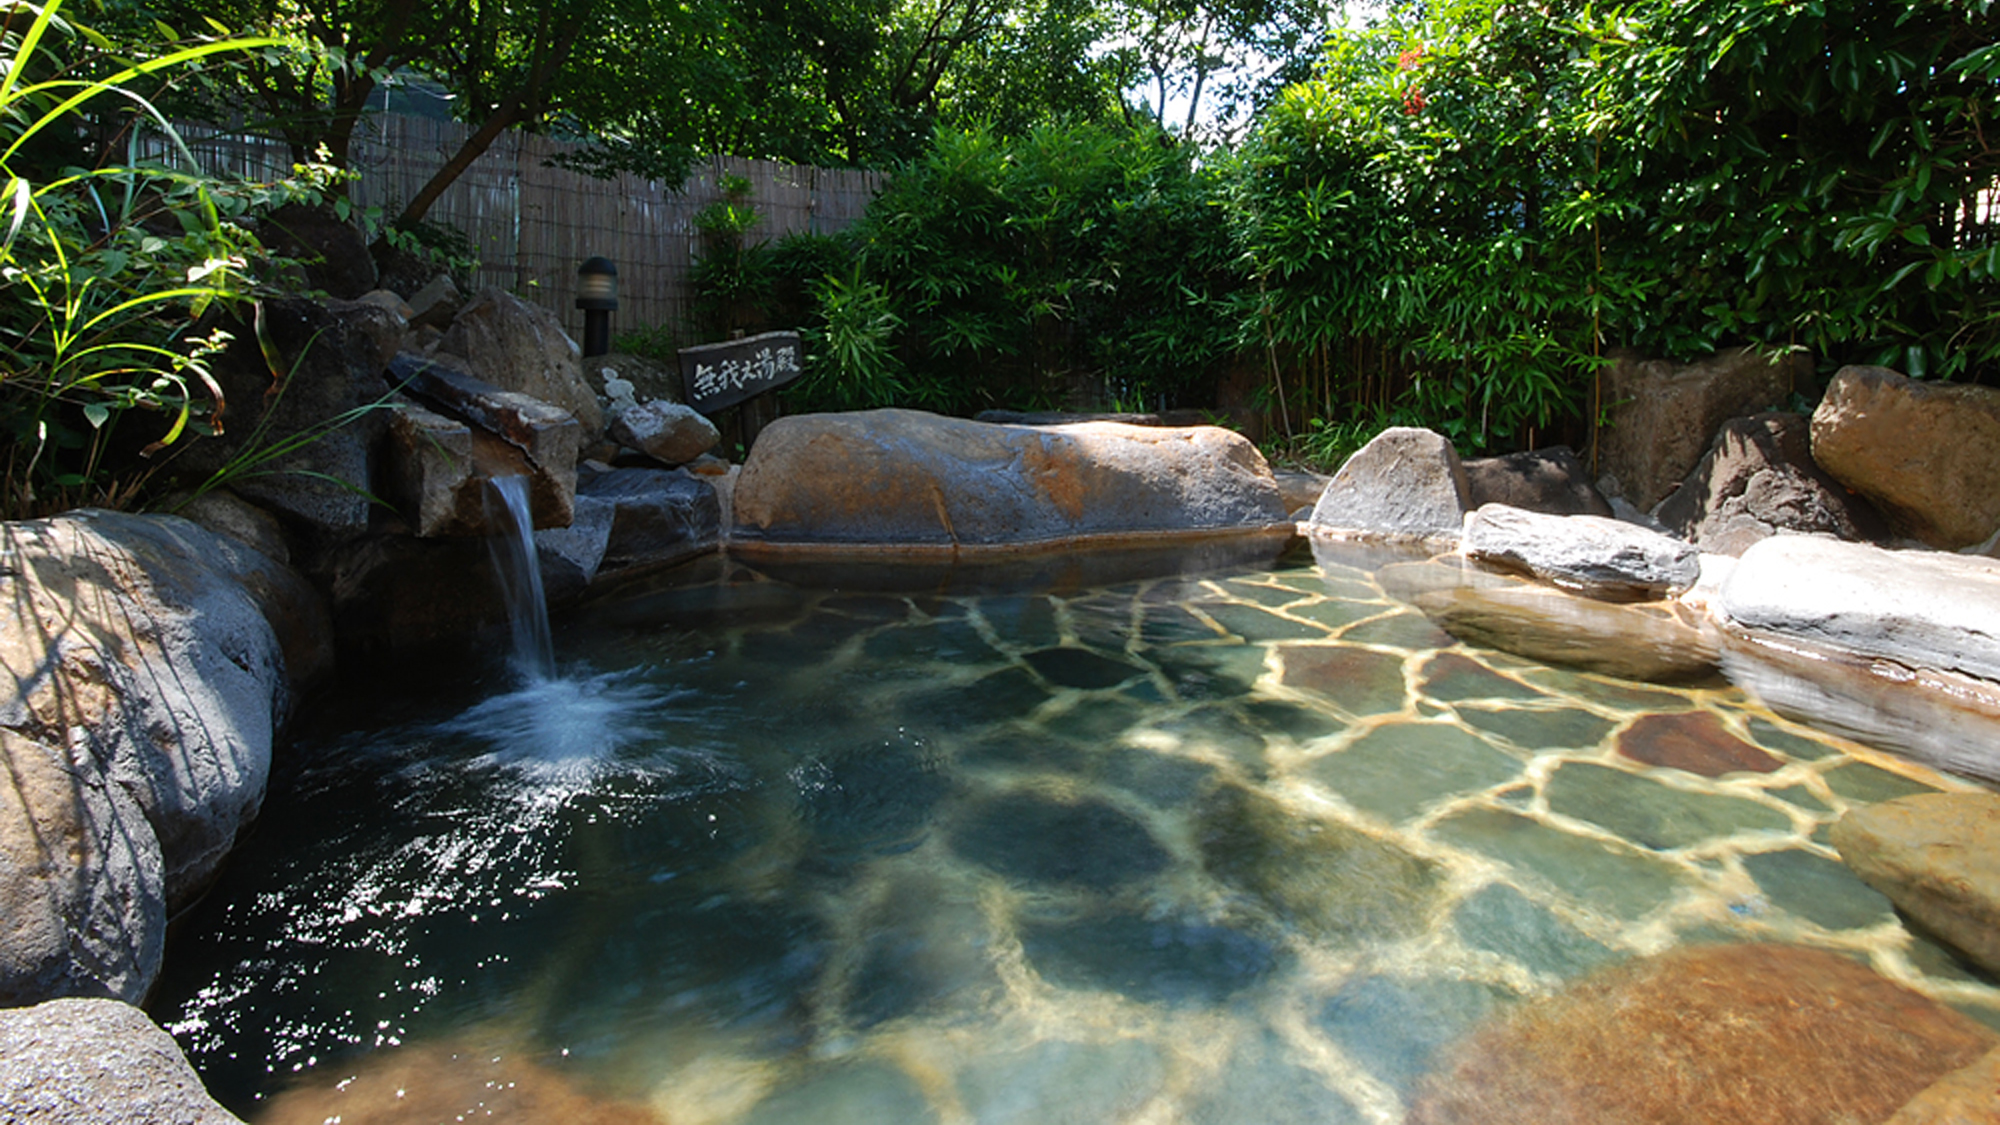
1249	845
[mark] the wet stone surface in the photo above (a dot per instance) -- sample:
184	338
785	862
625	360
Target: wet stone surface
1196	850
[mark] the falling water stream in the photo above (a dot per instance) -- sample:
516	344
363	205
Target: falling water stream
520	572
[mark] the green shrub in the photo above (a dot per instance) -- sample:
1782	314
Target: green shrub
1074	259
104	269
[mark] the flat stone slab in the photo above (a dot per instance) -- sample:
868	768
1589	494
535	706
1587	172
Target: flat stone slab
1590	554
1937	857
1923	609
903	478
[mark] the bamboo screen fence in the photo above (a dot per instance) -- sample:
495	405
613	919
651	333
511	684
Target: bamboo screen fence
532	225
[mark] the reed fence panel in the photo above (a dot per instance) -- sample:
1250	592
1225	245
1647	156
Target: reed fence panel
531	225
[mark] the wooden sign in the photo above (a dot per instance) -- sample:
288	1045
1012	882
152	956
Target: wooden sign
719	375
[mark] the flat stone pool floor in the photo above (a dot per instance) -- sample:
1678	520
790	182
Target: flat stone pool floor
1237	847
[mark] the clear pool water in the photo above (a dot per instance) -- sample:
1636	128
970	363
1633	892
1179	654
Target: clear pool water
1248	845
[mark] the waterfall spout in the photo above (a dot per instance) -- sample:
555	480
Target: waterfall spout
514	560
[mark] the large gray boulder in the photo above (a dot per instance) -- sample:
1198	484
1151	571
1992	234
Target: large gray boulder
130	641
1937	857
522	347
97	1062
1662	417
1758	480
1549	480
658	516
1927	454
83	909
905	478
330	364
1406	483
1589	554
1921	609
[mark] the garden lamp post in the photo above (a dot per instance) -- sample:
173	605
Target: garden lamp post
597	296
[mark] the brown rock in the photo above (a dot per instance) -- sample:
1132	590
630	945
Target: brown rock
1772	1034
1693	741
1663	418
1926	454
909	479
1968	1096
1937	857
521	347
547	437
1759	479
436	469
484	1078
1363	680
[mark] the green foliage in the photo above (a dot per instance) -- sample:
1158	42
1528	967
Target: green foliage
1475	200
657	342
850	355
1075	262
103	268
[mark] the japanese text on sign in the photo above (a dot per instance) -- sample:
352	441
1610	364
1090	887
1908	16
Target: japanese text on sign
719	375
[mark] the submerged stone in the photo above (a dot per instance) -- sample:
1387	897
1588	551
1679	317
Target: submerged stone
1084	844
1210	671
1161	780
1565	728
1301	723
855	1093
1169	961
1454	678
1397	770
870	799
1623	882
1799	747
1817	889
1695	741
1079	668
1361	681
1408	630
1325	878
1652	642
1259	625
1732	1033
1500	919
1062	1081
994	698
1653	815
1395	1028
469	1077
1259	1083
1859	781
